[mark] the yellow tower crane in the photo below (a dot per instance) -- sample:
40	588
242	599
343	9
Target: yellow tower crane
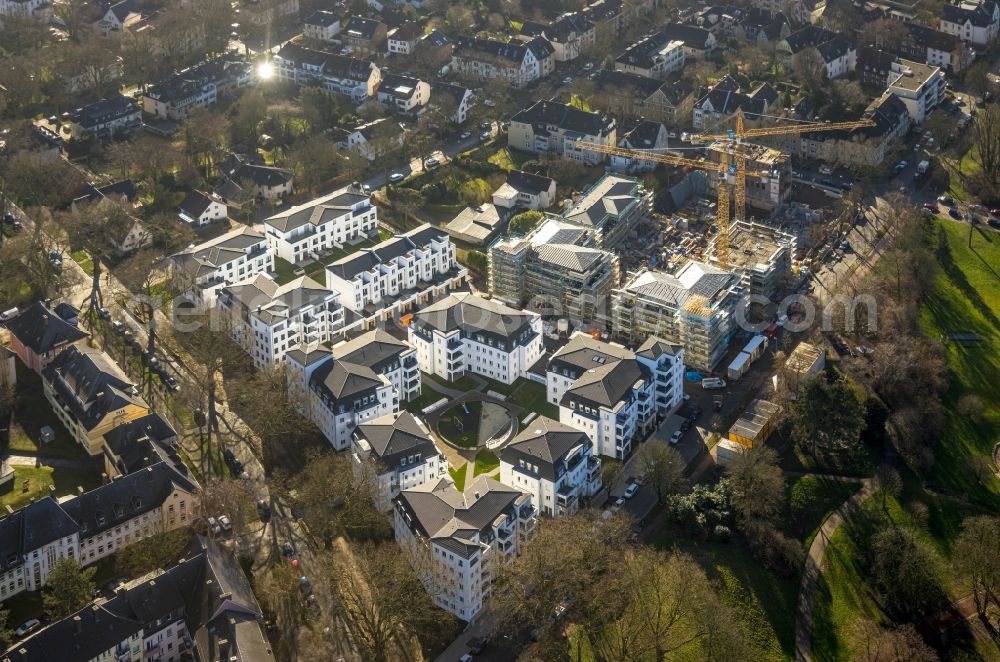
737	137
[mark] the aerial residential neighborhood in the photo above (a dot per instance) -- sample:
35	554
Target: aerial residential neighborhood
448	331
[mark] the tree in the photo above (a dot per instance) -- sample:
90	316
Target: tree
314	161
6	633
555	570
906	570
810	70
524	222
986	142
828	415
383	597
68	588
977	78
977	557
662	468
156	551
872	643
757	488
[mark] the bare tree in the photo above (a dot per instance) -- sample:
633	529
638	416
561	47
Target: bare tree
986	141
662	468
977	557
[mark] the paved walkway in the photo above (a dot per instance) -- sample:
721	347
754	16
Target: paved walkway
62	463
957	612
815	560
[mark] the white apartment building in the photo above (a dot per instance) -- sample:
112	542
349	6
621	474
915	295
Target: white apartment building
92	525
550	126
465	536
312	230
268	319
514	62
396	275
467	333
359	380
920	87
403	94
611	393
32	540
39	8
347	76
453	100
400	450
202	270
654	56
200	209
974	21
555	464
321	25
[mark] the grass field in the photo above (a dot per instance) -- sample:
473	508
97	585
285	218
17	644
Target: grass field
428	396
34	483
966	298
459	426
486	462
527	394
33	412
458	475
764	602
811	500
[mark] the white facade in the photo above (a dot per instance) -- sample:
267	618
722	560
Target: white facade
492	340
972	21
33	571
322	25
921	87
402	94
312	230
203	270
463	566
269	319
396	274
402	463
553	463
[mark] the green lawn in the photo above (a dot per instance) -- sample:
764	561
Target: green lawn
811	500
83	259
284	271
34	483
486	462
460	427
31	414
428	396
531	395
509	159
764	602
458	475
966	298
844	593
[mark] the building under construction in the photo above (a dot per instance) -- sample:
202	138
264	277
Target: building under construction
694	308
768	173
555	270
761	256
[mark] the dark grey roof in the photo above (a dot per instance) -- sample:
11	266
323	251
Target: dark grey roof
569	118
564	28
90	385
653	348
451	518
644	52
583	352
569	256
544	443
981	16
726	97
398	85
607	384
85	635
931	38
342	381
610	80
195	203
225	68
692	36
322	18
512	51
352	265
471	313
207	257
136	444
606	199
237	167
363	28
126	497
408	32
40	329
106	110
808	36
318	211
396	437
436	38
338	66
122	9
32	527
376	349
836	48
528	182
644	135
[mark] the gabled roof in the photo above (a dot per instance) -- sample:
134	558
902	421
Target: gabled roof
262	297
807	37
693	279
569	256
351	266
90	384
436	38
564	28
607	384
644	135
407	32
210	255
85	635
545	443
528	182
319	210
341	380
195	203
452	518
584	352
620	81
691	35
568	118
653	348
375	349
32	527
122	9
607	199
470	313
361	28
238	167
338	66
980	16
105	110
322	18
126	497
41	330
644	52
834	49
396	437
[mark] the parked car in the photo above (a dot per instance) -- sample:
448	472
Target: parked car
28	627
476	645
567	80
432	162
995	211
116	584
171	383
484	136
288	550
264	510
224	522
676	437
367	189
619	502
213	526
396	177
305	586
630	491
104	313
931	207
825	170
117	326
